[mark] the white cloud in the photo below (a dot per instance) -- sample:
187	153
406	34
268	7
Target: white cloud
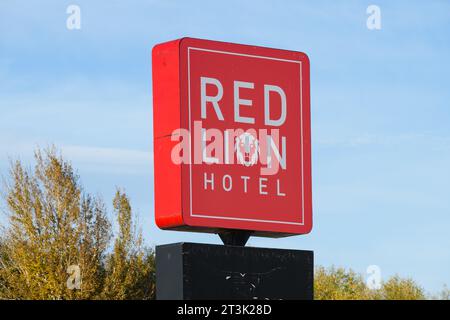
108	156
368	139
86	158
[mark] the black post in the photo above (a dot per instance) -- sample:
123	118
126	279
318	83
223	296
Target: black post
235	237
191	271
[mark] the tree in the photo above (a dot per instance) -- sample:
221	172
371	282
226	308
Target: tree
130	269
341	284
443	295
54	225
397	288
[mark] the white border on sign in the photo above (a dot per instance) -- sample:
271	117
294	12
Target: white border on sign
190	143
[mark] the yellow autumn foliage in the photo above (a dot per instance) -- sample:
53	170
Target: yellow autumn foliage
55	227
345	284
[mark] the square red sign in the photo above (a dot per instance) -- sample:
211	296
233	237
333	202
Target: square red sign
232	138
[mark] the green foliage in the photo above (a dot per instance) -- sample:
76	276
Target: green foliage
341	284
397	288
54	224
444	294
130	268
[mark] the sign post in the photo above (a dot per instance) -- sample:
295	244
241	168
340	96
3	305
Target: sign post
232	146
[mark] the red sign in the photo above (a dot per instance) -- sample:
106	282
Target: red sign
232	139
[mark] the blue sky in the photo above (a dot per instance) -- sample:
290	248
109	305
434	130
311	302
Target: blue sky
380	112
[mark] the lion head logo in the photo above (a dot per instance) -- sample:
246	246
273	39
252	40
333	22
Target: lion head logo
247	149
